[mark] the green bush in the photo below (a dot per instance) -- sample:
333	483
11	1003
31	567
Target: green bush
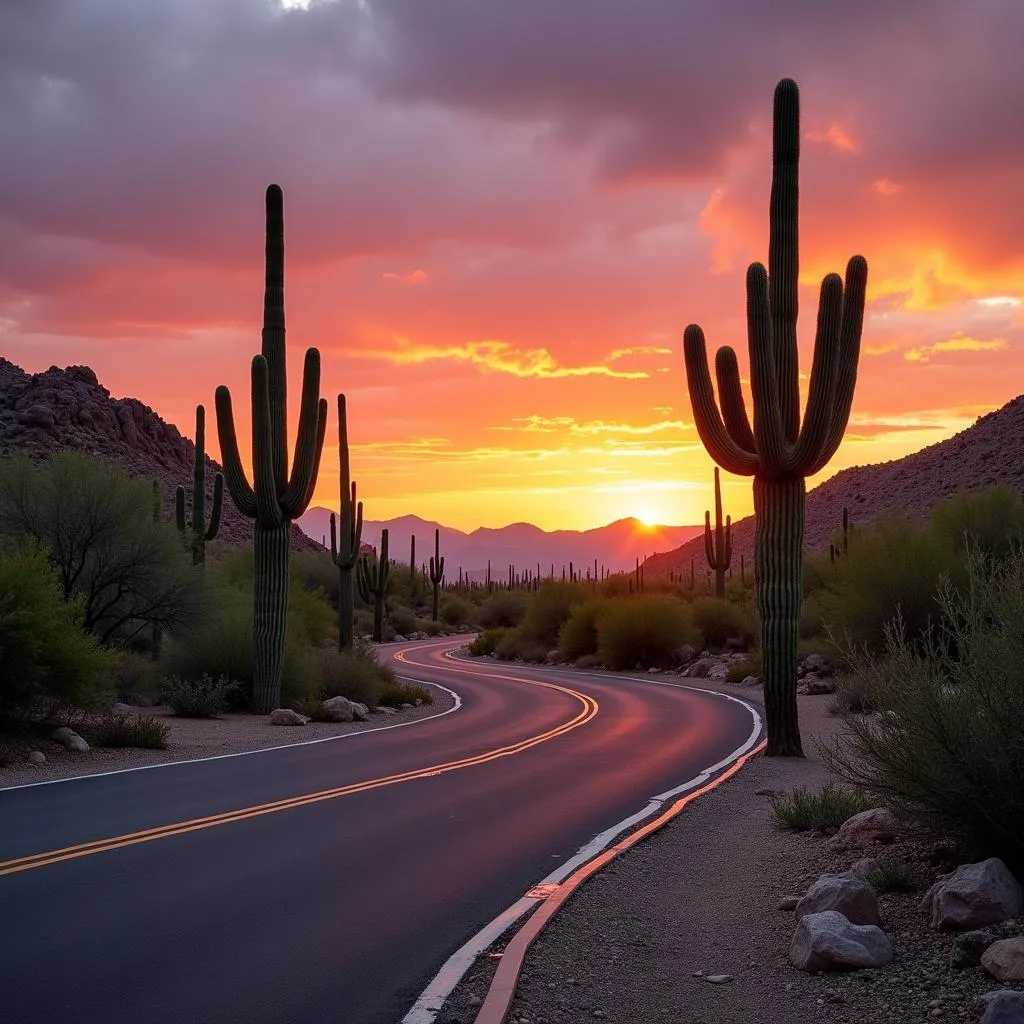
48	662
121	729
316	572
578	635
989	521
947	746
456	611
201	697
429	626
397	693
327	672
402	619
136	678
823	811
739	670
644	631
892	875
502	608
486	641
514	645
548	609
720	620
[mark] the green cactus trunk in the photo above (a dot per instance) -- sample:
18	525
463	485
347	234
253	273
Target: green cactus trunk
271	549
778	575
346	608
378	617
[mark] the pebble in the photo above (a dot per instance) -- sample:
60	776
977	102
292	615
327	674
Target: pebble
718	979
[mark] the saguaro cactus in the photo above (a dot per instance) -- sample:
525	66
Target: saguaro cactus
345	544
275	497
436	572
201	533
779	451
373	584
718	545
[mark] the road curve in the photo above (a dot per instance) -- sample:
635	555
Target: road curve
327	883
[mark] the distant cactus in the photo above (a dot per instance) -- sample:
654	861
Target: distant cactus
372	575
436	573
718	545
779	451
200	532
274	498
345	545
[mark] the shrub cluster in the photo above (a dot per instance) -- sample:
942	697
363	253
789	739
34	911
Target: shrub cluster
122	729
198	697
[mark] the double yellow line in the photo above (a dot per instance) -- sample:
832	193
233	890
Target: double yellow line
40	860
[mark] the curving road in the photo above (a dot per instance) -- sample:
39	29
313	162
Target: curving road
328	883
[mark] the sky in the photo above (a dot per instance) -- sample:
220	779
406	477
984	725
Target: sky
500	217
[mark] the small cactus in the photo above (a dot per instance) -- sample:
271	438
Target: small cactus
372	576
718	545
436	573
200	532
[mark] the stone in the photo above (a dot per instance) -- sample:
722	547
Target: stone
700	669
285	716
360	712
385	710
846	894
863	867
818	664
70	740
718	979
406	706
973	896
36	757
1003	1007
789	903
751	681
829	942
968	946
1004	959
814	685
337	709
877	825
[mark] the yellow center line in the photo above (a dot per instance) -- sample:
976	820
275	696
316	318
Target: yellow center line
38	860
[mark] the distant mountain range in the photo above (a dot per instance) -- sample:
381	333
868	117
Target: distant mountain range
616	547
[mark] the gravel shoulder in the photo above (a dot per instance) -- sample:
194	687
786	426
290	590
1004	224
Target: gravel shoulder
194	738
701	897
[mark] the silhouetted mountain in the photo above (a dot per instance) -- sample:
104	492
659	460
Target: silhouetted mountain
43	413
616	546
989	452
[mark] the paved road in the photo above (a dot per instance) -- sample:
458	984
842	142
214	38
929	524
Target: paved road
340	907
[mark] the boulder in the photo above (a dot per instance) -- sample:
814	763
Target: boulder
337	709
360	712
700	669
70	740
968	946
1004	959
874	826
818	664
829	942
846	894
815	686
285	716
751	681
973	896
1003	1007
863	867
36	757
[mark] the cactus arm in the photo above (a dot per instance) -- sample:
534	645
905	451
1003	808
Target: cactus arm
821	390
273	347
363	579
241	492
357	536
218	503
728	541
179	509
854	291
334	538
309	440
721	447
783	254
709	548
769	434
268	508
730	398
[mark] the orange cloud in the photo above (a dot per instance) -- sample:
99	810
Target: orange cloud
416	276
960	342
836	137
886	187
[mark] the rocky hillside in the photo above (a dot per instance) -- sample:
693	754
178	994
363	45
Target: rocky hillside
42	413
989	452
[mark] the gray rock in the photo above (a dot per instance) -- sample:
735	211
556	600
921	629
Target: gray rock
1004	1007
385	710
968	946
718	979
1004	959
751	681
700	669
973	896
815	685
70	740
846	894
789	903
818	664
360	712
863	867
123	709
877	825
405	706
36	757
829	942
285	716
337	709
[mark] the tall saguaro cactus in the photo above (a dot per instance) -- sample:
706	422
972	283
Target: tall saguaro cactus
718	545
779	451
201	533
436	572
275	497
372	576
345	547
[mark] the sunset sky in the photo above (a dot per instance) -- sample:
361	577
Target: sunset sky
501	214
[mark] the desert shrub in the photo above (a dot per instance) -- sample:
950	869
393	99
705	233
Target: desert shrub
644	631
892	875
896	567
589	661
719	620
362	621
548	609
121	729
326	672
316	571
6	754
136	678
198	697
502	608
47	661
824	811
739	670
486	641
402	619
454	610
514	645
429	626
945	749
578	635
397	693
989	521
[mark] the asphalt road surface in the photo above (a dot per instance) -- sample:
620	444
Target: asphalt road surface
328	883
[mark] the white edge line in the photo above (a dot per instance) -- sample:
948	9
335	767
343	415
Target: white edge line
431	999
262	750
